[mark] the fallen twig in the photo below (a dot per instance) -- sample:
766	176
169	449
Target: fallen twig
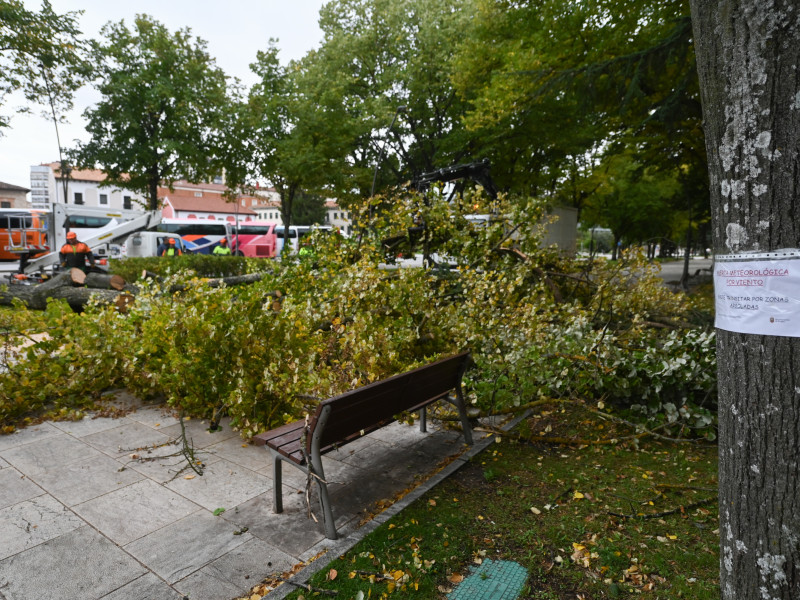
309	588
666	513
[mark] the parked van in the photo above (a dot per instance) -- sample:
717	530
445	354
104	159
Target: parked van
295	234
146	243
200	236
255	238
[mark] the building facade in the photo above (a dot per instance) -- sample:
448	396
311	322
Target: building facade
84	187
13	196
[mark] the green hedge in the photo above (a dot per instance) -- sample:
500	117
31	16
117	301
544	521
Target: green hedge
204	265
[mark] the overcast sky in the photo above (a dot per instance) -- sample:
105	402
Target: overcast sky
234	29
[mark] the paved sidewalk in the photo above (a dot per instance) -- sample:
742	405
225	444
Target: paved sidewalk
83	517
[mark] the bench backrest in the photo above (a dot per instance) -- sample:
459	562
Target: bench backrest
369	407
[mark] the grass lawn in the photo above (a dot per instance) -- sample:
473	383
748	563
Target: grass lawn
631	519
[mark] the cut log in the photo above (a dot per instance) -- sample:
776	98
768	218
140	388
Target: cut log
103	288
78	276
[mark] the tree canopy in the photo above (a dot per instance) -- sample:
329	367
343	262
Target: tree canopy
42	55
162	108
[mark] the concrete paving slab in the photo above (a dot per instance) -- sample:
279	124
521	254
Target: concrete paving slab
146	587
178	550
235	449
89	425
49	455
400	434
291	531
197	431
165	463
157	417
28	435
15	487
162	529
370	454
223	485
81	564
235	572
135	511
360	497
126	439
32	522
89	478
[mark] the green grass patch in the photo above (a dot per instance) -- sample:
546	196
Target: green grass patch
626	520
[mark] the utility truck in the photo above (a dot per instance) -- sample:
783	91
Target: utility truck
103	230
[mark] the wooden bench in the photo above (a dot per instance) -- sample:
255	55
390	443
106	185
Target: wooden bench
347	417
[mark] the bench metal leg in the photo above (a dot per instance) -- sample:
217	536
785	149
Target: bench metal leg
324	499
423	419
277	483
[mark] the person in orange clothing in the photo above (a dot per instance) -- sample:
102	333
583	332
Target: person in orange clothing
74	254
171	249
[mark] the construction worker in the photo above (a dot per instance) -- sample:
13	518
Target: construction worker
171	249
74	254
222	249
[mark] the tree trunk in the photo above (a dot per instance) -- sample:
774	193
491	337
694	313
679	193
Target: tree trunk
748	55
108	289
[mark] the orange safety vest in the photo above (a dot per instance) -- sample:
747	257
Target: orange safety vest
75	256
79	248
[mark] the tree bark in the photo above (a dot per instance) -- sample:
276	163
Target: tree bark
748	55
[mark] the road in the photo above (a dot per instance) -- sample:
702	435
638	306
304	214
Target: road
672	271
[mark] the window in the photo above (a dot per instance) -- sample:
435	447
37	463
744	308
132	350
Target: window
126	203
103	198
5	204
78	197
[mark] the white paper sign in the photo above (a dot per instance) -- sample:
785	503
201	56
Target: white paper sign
758	293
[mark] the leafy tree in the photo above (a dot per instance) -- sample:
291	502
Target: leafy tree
553	83
631	199
309	209
281	133
42	54
162	108
382	59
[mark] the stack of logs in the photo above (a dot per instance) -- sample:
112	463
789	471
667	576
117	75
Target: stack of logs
77	288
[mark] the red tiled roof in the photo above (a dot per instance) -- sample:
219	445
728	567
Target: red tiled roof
212	203
10	187
78	174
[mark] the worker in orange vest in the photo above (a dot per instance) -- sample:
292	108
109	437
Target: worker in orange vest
171	250
74	254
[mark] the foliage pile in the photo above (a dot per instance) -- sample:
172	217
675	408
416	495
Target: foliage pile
538	325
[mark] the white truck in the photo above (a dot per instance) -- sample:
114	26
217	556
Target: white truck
101	229
147	243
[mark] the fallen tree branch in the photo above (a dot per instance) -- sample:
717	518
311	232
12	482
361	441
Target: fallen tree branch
666	513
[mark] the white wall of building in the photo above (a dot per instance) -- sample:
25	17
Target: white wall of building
47	190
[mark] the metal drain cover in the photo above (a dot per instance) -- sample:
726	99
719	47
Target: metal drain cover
492	580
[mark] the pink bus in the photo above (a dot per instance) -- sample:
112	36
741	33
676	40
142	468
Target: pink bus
256	238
